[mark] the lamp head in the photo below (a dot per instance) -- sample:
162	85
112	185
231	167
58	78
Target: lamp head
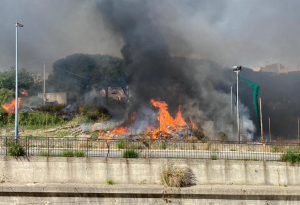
19	25
237	68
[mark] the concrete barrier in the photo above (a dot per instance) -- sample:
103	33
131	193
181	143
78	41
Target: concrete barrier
144	171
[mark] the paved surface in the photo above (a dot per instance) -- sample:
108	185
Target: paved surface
146	194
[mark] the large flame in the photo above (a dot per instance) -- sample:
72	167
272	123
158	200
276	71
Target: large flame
10	107
166	122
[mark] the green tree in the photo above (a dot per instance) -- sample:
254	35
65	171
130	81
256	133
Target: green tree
8	79
79	73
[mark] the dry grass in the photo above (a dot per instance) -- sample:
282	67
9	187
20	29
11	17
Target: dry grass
172	176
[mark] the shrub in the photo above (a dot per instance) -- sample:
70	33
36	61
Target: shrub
131	153
110	182
291	156
172	176
79	153
43	153
223	136
16	149
93	112
121	144
199	133
67	153
214	157
274	148
163	145
51	108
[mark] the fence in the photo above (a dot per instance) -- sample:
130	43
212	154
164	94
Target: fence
128	148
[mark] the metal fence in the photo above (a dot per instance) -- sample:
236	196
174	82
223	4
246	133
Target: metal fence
125	148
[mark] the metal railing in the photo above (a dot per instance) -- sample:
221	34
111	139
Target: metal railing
128	148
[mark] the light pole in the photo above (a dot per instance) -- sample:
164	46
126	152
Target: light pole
237	69
16	99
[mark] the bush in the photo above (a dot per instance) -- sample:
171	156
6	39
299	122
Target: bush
131	153
121	144
172	176
94	112
214	157
51	108
199	133
110	182
43	153
16	149
79	153
67	153
163	145
291	156
223	136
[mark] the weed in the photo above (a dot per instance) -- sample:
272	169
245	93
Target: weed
291	155
274	148
43	153
223	136
232	149
67	153
79	153
110	182
163	145
285	185
16	149
172	176
213	157
131	153
207	146
121	144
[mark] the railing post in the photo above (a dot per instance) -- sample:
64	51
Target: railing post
87	148
5	145
48	146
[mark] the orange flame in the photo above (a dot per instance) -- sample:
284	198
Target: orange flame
167	123
10	107
24	92
193	125
120	130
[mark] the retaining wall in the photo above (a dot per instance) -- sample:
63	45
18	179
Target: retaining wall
144	171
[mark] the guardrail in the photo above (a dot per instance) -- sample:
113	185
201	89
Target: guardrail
145	148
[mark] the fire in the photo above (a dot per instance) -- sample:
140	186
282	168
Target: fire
24	92
166	121
10	107
193	125
168	125
120	130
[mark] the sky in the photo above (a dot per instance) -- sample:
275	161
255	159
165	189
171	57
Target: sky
251	33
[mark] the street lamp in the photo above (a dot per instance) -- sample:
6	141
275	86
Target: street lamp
237	69
16	99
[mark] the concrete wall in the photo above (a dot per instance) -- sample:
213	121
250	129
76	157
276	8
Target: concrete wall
137	171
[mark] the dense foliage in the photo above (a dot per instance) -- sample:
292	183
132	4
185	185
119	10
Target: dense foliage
8	79
79	73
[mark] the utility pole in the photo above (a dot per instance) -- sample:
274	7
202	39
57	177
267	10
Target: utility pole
231	102
270	130
261	123
16	94
237	69
44	84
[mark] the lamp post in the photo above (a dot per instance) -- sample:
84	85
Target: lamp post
16	99
237	69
